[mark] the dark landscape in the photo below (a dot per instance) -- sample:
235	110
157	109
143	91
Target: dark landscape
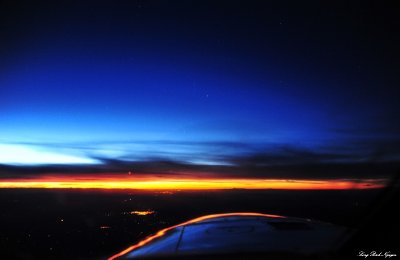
93	224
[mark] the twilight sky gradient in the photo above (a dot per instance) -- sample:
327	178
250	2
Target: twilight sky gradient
198	83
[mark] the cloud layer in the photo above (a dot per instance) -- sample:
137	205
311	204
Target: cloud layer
229	160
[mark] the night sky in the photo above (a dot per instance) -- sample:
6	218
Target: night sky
199	85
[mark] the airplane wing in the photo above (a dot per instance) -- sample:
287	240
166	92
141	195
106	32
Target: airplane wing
237	233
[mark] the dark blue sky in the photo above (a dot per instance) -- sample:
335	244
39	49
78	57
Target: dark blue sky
198	82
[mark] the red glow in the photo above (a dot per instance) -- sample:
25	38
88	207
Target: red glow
163	231
146	182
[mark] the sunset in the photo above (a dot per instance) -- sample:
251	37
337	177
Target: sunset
190	184
142	126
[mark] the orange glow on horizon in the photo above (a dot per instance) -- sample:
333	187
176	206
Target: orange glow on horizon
163	231
167	183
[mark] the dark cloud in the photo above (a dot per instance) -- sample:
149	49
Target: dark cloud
373	158
289	155
370	170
